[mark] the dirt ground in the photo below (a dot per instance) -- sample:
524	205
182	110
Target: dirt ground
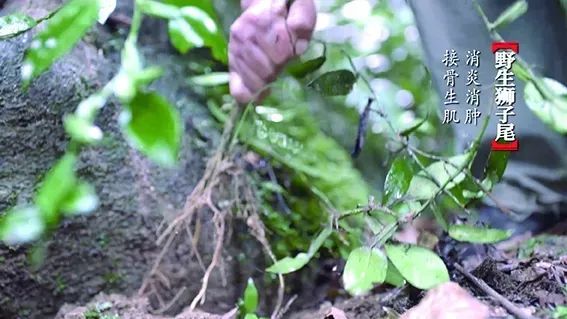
534	283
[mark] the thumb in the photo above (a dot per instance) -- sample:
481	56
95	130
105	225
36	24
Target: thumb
301	21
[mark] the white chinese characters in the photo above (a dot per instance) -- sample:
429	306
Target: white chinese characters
505	95
451	61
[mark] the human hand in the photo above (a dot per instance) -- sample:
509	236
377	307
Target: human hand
263	40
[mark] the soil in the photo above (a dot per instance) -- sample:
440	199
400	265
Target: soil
534	284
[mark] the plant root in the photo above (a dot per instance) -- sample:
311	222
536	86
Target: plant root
199	200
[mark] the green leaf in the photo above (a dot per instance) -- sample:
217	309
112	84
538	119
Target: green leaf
183	36
105	10
421	267
551	107
472	234
159	9
289	264
521	72
81	130
439	217
510	15
250	300
81	200
300	69
422	185
398	180
20	226
495	167
560	312
318	241
339	82
88	107
154	127
393	276
199	19
206	27
59	182
365	267
14	24
63	31
211	79
251	316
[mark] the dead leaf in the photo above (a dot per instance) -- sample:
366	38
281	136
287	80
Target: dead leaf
448	301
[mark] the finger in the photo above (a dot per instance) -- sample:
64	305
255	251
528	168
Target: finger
277	7
247	76
257	60
252	81
242	30
301	22
276	43
302	18
238	90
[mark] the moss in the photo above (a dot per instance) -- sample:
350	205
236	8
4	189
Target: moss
60	285
112	278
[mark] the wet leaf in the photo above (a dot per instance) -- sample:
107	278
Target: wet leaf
300	69
510	15
59	182
154	127
250	299
334	83
211	79
398	180
422	185
20	226
81	200
365	267
14	24
551	108
421	267
478	235
63	31
289	264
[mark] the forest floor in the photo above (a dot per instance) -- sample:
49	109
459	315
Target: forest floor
521	278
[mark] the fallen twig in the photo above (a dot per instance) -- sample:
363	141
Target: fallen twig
507	304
